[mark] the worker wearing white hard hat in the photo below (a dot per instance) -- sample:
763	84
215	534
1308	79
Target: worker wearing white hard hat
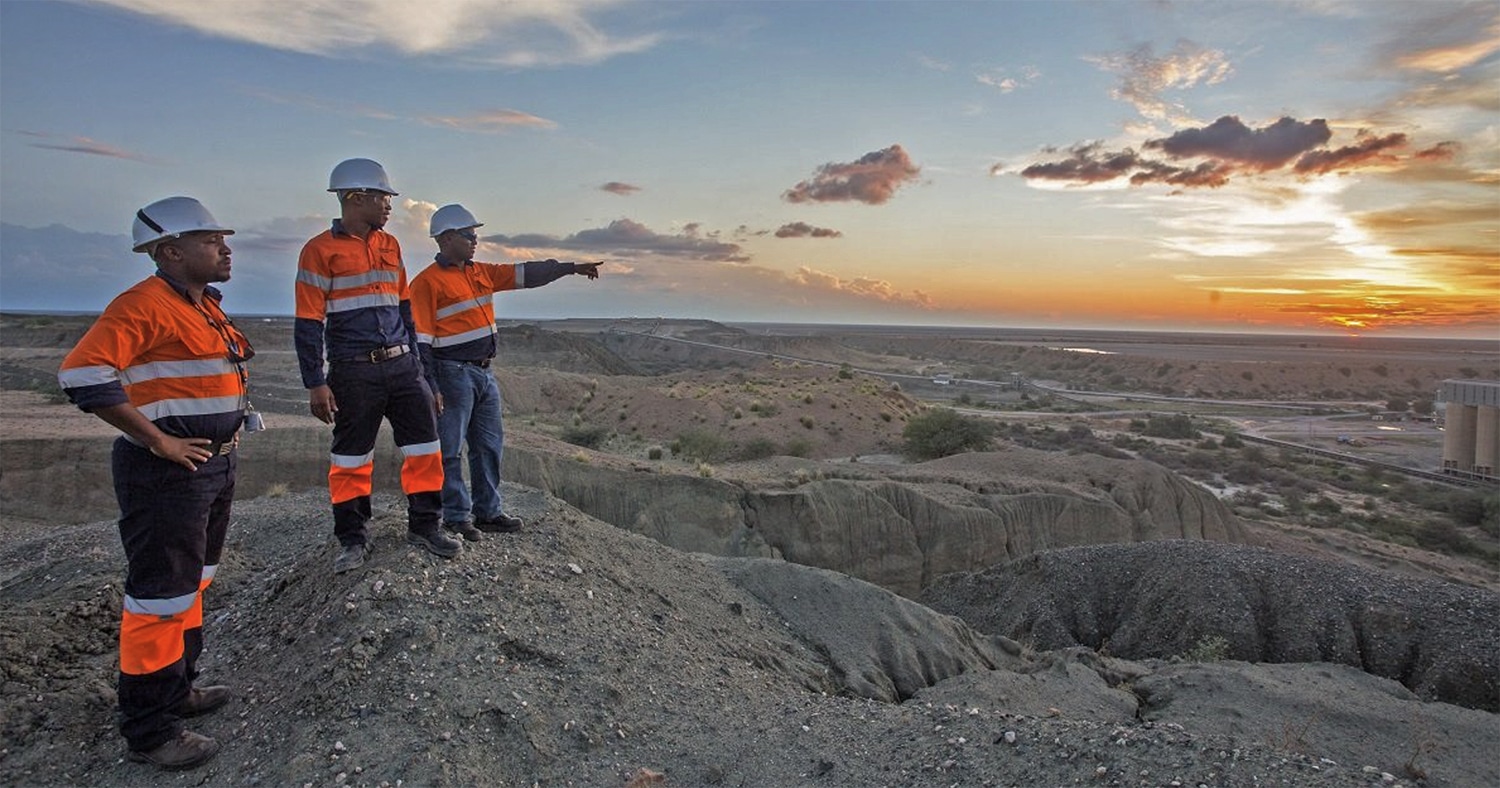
174	465
353	311
452	306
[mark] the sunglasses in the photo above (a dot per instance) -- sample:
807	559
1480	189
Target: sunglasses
380	198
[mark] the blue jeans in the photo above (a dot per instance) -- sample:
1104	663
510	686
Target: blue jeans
471	412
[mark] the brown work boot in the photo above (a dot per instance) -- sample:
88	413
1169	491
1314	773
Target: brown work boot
202	700
501	523
185	751
435	541
465	529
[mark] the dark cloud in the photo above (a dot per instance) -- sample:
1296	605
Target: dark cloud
1209	173
622	189
1210	156
1086	163
629	238
1368	149
872	180
1230	140
805	230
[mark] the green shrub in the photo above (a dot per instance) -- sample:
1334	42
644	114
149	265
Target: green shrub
700	445
1209	648
757	449
941	432
1177	427
589	436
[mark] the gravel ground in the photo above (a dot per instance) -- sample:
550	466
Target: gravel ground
578	654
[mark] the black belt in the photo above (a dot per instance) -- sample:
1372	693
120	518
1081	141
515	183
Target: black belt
384	354
483	363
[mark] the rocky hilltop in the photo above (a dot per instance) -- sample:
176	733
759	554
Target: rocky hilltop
577	653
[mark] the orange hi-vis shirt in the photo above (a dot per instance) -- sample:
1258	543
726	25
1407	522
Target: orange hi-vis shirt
166	356
453	310
351	298
452	305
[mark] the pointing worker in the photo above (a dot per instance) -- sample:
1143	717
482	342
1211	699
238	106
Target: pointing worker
353	310
453	309
166	366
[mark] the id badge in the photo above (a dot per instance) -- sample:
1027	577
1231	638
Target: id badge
254	422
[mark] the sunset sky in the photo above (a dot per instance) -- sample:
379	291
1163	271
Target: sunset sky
1327	166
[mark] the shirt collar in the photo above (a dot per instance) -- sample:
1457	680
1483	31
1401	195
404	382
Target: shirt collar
208	290
447	263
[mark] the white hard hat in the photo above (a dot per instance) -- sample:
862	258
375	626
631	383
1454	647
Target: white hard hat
171	218
360	175
452	217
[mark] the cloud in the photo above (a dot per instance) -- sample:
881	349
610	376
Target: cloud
860	287
1000	80
1144	77
1210	156
629	238
1369	150
1228	139
85	145
493	121
872	180
805	230
490	121
622	189
495	32
1086	163
1471	34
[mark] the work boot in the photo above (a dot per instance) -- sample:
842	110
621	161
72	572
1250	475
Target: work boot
500	523
185	751
352	556
465	529
435	542
202	700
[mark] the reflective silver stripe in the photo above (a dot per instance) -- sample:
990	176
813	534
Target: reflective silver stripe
360	280
467	336
464	306
209	571
363	302
86	376
160	607
193	368
351	460
419	449
424	339
521	276
315	280
191	406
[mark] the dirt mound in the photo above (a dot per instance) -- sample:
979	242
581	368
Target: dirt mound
1159	599
574	653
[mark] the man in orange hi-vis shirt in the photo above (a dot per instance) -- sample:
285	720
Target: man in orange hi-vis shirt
166	366
353	311
452	305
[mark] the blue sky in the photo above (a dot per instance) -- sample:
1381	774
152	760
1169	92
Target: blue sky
1253	166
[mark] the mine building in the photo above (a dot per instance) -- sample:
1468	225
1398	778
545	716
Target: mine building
1471	430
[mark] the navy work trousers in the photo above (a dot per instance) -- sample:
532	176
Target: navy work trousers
172	525
367	393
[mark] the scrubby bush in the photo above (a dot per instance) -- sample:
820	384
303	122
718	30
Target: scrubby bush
1210	648
701	445
589	436
1176	427
756	449
941	432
